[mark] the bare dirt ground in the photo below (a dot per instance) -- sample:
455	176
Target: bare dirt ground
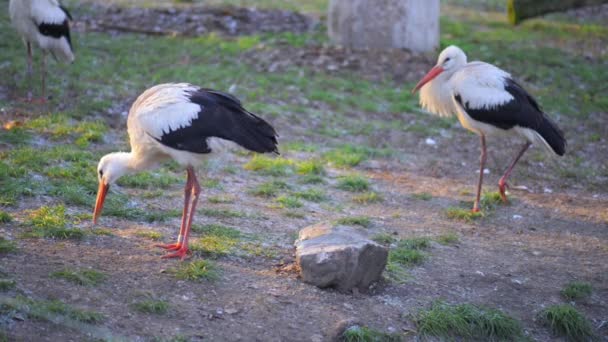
517	258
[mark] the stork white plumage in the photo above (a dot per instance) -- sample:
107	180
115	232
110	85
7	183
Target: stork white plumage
44	23
487	101
185	123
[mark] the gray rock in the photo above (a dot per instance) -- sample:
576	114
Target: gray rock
330	255
384	24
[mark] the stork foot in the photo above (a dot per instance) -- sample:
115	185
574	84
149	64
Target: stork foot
170	247
502	188
181	253
475	210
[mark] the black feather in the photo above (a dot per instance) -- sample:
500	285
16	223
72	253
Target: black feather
522	111
222	116
56	30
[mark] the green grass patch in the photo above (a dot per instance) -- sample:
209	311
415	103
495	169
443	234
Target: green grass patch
422	196
311	179
364	334
51	222
5	217
7	285
565	321
220	199
213	245
48	310
577	290
463	214
198	270
490	200
384	238
368	197
289	201
447	238
310	167
80	277
468	322
149	180
269	189
222	213
353	183
149	234
362	221
409	252
151	306
269	166
346	156
7	246
311	195
217	230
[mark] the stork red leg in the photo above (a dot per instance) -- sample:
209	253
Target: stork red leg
482	163
182	229
43	98
502	183
195	191
29	70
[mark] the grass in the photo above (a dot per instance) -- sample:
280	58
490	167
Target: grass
368	197
217	230
149	180
468	322
463	214
409	252
151	306
423	196
362	221
213	245
269	166
222	213
220	199
353	183
364	334
7	246
310	167
80	277
269	189
51	222
7	285
149	234
289	201
576	290
447	238
51	310
197	270
5	217
564	320
311	195
384	238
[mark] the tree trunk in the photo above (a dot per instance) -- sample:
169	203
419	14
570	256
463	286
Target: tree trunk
384	24
519	10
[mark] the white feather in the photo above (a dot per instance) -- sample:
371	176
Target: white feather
480	85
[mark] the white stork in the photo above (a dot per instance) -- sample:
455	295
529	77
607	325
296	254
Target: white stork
182	122
43	23
487	101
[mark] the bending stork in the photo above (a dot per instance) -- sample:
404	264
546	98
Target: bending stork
43	23
182	122
487	101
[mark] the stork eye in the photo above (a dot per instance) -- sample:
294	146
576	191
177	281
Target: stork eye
100	173
446	60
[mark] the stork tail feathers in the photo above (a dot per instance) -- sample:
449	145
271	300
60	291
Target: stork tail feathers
553	135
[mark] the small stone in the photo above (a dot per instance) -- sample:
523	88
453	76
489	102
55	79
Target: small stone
337	256
430	142
232	311
517	217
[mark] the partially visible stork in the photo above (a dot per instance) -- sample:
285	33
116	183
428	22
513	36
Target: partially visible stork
487	101
44	23
185	123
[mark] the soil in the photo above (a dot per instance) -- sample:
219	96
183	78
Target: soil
517	258
194	21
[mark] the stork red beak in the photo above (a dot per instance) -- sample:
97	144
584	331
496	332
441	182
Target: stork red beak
101	196
428	77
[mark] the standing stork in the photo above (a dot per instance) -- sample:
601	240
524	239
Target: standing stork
43	23
182	122
487	101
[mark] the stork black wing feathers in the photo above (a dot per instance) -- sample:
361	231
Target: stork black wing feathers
56	30
222	116
523	111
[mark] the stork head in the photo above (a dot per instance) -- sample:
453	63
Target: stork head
111	167
449	61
